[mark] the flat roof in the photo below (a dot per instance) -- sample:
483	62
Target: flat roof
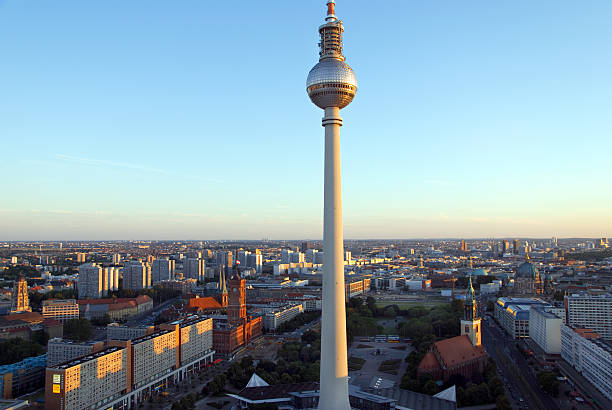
87	358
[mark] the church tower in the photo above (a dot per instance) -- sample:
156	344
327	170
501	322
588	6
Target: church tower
223	288
470	324
236	310
20	302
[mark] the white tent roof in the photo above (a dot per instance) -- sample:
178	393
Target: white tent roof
449	394
256	381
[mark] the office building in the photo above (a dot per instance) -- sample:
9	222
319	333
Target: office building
22	377
20	302
513	314
60	309
545	328
62	350
90	281
276	316
162	269
136	276
590	355
590	310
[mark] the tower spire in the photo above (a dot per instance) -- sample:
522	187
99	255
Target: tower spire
331	11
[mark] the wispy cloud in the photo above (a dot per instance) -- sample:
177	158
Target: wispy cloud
101	163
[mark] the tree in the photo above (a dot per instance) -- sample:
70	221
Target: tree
78	329
502	403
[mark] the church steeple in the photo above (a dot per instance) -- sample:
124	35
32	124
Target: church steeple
470	324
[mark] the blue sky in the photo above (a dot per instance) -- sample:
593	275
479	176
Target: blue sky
160	119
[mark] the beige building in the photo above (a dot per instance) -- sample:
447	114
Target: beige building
154	355
115	331
274	317
88	382
60	309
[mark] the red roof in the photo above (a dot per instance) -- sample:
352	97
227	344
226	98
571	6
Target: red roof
204	303
429	362
50	322
139	300
457	350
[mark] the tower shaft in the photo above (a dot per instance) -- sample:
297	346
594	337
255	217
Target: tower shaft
334	366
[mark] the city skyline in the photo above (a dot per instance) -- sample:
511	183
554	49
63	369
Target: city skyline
147	125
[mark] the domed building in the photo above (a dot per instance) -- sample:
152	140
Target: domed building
527	280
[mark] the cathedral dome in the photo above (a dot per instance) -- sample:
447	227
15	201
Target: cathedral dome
527	270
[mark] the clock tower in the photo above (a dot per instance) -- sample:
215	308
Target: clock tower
470	324
236	310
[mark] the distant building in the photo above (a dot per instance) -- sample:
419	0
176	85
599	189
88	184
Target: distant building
528	281
80	257
119	308
110	276
20	301
90	281
356	286
116	258
224	260
589	355
274	317
592	311
60	309
194	268
136	276
162	269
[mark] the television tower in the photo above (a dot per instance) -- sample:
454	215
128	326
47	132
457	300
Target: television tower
331	85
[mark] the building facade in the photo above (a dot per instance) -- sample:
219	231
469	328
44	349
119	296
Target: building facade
61	350
136	275
590	355
60	309
162	269
20	301
545	328
593	311
513	314
90	281
274	317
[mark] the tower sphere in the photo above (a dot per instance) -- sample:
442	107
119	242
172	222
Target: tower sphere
331	83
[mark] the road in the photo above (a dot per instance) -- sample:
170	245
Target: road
525	393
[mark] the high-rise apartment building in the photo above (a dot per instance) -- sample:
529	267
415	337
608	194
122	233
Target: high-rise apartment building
225	259
243	257
286	256
194	268
136	275
255	261
545	328
591	311
20	302
80	257
111	278
116	258
90	281
297	257
162	269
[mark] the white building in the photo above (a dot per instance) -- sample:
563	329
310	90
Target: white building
115	331
592	311
545	328
90	281
589	355
162	269
274	317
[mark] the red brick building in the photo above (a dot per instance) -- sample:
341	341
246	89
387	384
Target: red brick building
454	356
238	329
